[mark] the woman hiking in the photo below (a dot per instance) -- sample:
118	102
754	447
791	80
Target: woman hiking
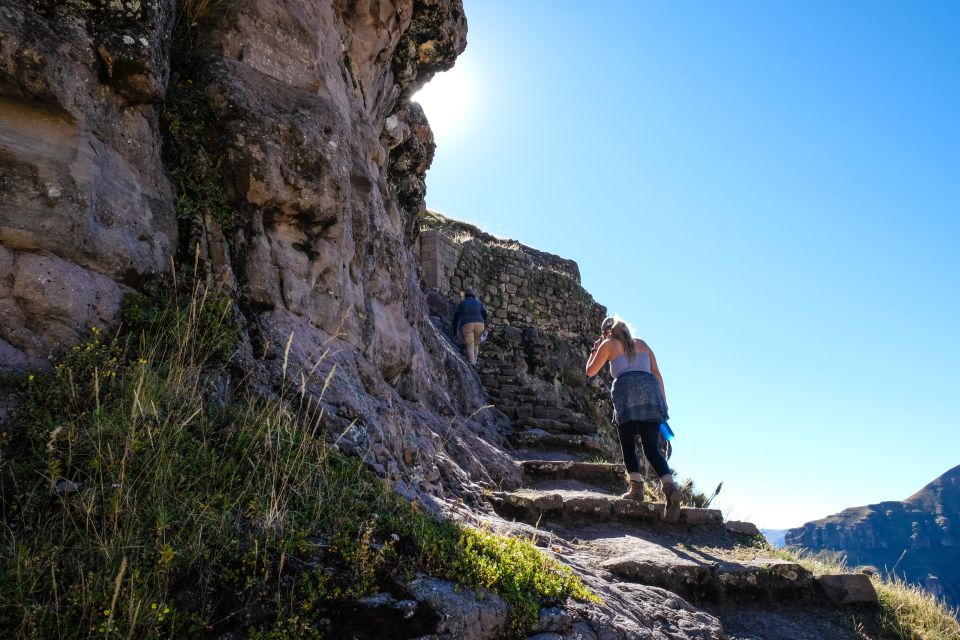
639	406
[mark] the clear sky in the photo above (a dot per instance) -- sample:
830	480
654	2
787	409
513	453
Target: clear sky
769	192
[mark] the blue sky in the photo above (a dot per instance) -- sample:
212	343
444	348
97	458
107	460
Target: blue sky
768	192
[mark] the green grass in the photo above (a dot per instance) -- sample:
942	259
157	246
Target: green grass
905	611
195	516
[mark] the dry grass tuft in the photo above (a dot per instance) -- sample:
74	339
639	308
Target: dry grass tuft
906	611
196	10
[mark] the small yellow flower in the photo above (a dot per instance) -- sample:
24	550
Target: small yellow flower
160	618
166	609
142	361
106	612
153	605
30	378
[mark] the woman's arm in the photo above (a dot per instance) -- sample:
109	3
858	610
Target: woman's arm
655	370
598	357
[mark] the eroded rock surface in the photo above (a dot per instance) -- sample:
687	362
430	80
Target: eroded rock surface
322	160
85	206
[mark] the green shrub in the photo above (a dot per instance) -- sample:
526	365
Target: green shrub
192	153
571	376
190	512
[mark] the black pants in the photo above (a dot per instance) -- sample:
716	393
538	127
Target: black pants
649	432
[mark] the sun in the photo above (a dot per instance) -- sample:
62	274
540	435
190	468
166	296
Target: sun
445	100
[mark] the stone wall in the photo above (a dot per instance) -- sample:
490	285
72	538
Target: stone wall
439	255
519	285
542	325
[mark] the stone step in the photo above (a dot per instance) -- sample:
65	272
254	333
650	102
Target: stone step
533	506
601	474
555	426
540	439
551	455
848	588
696	577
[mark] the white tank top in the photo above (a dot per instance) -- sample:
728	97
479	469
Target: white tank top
623	364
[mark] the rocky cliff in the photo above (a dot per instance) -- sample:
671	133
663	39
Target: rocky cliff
273	142
915	538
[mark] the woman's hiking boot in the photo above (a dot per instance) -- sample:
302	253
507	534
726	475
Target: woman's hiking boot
636	487
672	494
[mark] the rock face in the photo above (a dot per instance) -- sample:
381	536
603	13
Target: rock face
313	160
921	529
85	207
324	164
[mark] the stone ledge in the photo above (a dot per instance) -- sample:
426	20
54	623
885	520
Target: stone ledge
538	438
530	505
709	580
743	528
850	588
603	474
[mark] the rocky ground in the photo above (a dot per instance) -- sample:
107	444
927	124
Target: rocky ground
699	578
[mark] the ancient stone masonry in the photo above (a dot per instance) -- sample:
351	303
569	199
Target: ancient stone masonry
438	259
520	285
541	327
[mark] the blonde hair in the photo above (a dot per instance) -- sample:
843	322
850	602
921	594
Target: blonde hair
620	330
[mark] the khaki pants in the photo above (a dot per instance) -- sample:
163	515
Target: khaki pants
471	332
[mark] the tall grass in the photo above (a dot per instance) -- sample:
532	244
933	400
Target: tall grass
905	610
911	613
141	500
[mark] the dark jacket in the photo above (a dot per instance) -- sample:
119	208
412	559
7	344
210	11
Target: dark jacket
469	310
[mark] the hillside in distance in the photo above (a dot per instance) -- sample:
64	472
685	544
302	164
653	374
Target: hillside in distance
915	538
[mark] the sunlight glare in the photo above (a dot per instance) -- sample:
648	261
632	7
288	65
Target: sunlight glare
445	101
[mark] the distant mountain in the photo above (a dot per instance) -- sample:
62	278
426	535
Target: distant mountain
924	529
775	536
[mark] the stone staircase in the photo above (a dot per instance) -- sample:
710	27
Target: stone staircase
542	324
701	558
576	491
542	423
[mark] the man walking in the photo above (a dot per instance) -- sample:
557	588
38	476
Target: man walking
470	320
